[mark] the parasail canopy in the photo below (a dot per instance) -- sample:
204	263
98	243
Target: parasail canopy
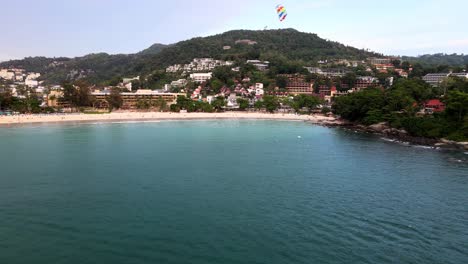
281	12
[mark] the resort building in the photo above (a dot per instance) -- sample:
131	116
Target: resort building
460	75
198	65
130	100
435	79
260	65
54	99
298	85
364	82
376	61
384	68
179	83
201	77
328	72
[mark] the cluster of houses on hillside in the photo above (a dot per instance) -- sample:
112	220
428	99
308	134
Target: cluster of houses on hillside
198	65
340	67
200	72
21	77
19	82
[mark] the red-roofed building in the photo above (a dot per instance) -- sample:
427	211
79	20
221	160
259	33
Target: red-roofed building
435	106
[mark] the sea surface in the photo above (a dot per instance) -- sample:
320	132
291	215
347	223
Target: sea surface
226	192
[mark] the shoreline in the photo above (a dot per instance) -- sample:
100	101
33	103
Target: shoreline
394	135
8	121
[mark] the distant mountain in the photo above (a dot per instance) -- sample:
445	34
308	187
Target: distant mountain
289	44
154	49
439	59
285	44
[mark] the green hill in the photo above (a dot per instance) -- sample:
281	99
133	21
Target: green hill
286	44
460	60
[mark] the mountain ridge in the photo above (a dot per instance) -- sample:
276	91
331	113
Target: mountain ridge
284	44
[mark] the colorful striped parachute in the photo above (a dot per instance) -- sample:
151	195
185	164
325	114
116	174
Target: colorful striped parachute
281	12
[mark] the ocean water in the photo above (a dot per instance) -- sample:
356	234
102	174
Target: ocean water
226	192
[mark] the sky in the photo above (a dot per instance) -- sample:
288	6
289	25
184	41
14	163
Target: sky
55	28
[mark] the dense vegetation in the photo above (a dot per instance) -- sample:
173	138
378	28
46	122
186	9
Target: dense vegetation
399	106
439	59
26	102
274	45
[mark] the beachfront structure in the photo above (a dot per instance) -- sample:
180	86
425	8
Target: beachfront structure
201	77
54	99
232	102
130	100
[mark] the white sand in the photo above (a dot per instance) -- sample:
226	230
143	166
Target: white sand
153	116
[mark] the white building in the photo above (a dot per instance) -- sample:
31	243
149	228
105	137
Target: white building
19	77
33	76
210	99
232	101
328	72
435	79
201	77
460	75
7	75
199	65
179	83
31	83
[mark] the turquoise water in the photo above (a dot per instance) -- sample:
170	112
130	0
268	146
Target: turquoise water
226	192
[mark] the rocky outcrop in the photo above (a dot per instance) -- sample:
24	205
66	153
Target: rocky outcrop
379	128
444	143
385	130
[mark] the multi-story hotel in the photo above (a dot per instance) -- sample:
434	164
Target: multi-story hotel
130	100
297	85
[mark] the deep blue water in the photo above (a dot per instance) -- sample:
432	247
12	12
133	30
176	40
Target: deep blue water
226	192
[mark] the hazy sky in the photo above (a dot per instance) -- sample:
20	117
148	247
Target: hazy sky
78	27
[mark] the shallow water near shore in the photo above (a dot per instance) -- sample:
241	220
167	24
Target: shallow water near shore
226	191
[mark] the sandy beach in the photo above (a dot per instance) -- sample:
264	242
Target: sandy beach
154	116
